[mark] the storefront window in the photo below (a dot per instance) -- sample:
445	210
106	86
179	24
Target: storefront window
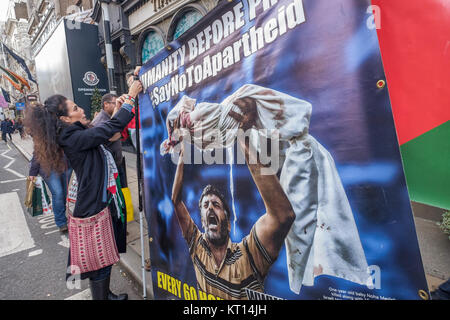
152	44
185	22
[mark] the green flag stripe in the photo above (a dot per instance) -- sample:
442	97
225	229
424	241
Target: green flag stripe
426	160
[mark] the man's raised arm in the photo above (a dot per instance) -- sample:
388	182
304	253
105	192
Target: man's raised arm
179	206
273	227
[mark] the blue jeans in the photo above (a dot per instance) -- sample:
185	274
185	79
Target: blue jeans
57	183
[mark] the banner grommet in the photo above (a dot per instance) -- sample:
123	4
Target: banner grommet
423	295
381	84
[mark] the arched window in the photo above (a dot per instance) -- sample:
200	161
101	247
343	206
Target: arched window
152	45
187	20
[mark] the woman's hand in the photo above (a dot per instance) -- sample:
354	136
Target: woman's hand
135	89
120	101
136	70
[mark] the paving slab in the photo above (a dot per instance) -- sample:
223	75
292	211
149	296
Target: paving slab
434	247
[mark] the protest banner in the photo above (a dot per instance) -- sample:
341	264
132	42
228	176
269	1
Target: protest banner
315	204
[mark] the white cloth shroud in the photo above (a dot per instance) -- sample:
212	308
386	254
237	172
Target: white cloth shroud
324	238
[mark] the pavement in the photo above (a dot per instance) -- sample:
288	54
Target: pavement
131	260
434	244
33	252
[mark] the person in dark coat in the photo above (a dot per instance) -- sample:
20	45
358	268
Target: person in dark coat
19	127
115	146
60	128
10	128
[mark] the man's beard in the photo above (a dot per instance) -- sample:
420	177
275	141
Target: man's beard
218	239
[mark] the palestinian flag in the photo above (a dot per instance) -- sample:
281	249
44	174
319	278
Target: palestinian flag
14	83
415	46
16	78
20	61
6	95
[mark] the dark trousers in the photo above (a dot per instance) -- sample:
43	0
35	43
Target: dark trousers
122	174
102	274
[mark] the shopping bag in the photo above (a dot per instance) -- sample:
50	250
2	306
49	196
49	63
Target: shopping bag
29	195
46	204
128	203
36	203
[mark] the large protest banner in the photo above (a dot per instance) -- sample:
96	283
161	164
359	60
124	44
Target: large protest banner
416	54
320	208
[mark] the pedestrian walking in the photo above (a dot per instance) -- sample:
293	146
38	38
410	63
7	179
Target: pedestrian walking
4	129
10	128
57	183
60	127
19	127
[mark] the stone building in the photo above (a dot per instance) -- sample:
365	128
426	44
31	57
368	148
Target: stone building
14	35
44	16
140	28
28	26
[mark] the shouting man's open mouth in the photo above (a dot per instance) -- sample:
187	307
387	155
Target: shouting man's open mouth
213	221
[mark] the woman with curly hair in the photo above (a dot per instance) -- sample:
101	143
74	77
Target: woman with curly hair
59	128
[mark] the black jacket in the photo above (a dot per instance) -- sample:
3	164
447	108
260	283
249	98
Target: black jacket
82	148
114	147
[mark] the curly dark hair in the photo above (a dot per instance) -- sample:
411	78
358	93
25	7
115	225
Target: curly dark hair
210	189
44	125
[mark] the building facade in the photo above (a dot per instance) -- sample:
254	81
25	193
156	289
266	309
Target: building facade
14	35
44	16
140	28
28	25
155	23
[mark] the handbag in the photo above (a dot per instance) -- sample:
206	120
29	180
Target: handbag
92	243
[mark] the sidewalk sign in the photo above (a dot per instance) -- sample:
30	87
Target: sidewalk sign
61	68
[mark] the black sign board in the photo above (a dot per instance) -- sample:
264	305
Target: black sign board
69	64
87	71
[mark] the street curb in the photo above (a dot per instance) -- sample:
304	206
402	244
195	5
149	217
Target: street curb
131	262
23	152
